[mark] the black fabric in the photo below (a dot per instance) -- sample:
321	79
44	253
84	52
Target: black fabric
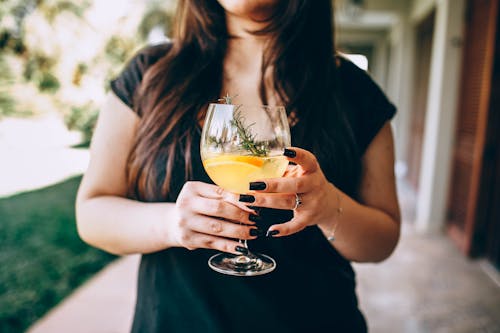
368	105
313	286
126	84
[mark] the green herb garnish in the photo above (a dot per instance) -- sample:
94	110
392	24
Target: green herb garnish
244	132
246	136
228	99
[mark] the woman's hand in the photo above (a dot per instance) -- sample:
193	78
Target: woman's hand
209	217
318	196
368	231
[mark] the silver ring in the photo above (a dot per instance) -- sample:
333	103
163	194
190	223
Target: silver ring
298	202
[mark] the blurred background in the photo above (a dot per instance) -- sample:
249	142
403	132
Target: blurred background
437	60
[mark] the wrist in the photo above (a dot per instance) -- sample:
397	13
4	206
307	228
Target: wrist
331	225
169	219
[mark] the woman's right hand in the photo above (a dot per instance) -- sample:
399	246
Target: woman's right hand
211	218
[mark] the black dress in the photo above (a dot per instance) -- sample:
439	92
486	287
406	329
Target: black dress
313	286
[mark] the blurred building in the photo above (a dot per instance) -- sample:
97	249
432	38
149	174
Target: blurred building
439	62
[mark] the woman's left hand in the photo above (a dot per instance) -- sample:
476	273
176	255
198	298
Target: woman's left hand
304	181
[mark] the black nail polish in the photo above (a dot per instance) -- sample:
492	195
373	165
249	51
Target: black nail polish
254	218
241	250
290	153
257	186
272	233
256	209
255	232
247	198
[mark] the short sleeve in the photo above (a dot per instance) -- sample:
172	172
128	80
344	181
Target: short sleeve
129	80
369	107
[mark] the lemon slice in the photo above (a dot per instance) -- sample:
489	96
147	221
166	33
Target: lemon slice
253	160
233	172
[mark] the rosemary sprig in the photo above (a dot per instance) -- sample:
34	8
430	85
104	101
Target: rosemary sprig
246	136
228	99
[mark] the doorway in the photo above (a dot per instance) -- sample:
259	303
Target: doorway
473	218
486	240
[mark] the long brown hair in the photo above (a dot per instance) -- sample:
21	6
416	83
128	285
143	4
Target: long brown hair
176	89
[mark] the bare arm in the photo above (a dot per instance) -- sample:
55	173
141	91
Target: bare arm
365	231
108	220
369	230
105	218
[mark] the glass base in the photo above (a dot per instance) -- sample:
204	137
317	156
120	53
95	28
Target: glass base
241	265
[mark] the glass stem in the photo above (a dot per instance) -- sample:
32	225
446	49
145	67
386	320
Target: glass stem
243	242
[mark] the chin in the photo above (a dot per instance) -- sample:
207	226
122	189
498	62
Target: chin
255	9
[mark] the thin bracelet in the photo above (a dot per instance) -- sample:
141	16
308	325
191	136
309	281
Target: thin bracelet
340	211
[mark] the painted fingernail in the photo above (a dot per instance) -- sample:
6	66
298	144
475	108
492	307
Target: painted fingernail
256	209
254	218
290	153
257	186
272	233
255	232
241	249
247	198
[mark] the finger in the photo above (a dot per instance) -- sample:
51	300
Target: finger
303	184
199	240
221	228
270	200
215	192
208	190
240	204
285	229
220	208
302	157
292	171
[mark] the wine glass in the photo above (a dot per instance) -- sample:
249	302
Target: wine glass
241	144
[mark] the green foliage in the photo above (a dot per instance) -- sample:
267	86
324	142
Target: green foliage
155	17
119	49
6	101
52	8
36	64
6	105
80	70
12	43
42	259
48	83
38	69
82	118
39	63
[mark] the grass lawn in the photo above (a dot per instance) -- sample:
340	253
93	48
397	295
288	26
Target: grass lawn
42	259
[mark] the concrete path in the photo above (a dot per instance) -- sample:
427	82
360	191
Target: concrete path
104	304
427	286
36	152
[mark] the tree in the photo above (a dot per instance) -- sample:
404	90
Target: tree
66	52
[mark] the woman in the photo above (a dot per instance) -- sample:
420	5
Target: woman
146	191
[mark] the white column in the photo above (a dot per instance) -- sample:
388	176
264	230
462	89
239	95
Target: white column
400	84
441	113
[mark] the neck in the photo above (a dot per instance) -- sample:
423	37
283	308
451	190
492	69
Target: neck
240	29
243	59
245	49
